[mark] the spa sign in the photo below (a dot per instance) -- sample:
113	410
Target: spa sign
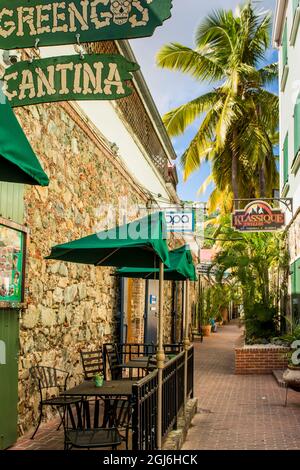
24	23
258	216
68	78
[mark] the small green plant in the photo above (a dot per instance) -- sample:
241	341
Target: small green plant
98	379
98	376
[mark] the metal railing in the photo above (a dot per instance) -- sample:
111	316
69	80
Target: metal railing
144	414
173	392
190	373
129	351
144	401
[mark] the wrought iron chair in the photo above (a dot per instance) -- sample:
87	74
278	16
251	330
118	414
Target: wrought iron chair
92	363
113	358
118	411
151	364
82	432
51	382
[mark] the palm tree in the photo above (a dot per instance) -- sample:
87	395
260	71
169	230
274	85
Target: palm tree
256	262
240	115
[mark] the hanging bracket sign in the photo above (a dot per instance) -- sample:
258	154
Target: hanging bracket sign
68	78
52	23
258	216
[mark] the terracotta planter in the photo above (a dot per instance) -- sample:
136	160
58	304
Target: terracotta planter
292	377
206	330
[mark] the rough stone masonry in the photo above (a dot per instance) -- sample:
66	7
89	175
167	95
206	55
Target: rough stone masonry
70	306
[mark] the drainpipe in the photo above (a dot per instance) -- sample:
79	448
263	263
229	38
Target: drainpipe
160	357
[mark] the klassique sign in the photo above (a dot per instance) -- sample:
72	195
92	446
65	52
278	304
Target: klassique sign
258	216
96	77
23	22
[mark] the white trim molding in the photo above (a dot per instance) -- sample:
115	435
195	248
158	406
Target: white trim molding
296	164
280	15
285	75
295	27
285	190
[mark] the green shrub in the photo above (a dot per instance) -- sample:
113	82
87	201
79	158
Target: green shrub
261	322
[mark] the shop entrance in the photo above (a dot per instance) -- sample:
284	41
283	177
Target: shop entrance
9	349
151	311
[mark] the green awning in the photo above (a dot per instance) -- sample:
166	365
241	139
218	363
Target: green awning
181	268
18	162
139	243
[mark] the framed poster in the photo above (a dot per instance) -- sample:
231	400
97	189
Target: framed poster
13	239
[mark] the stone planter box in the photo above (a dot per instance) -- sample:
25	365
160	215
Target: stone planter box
260	359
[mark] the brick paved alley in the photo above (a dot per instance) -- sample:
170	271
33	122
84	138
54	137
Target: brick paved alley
235	412
239	412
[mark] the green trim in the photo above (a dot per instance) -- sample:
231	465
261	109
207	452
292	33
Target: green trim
295	6
285	58
297	127
286	159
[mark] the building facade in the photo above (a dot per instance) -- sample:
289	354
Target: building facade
286	38
97	155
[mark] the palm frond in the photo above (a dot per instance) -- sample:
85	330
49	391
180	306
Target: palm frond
178	119
198	64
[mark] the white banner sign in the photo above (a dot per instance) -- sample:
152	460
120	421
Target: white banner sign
181	221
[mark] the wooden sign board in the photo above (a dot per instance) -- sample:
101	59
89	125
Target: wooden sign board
53	23
68	78
258	216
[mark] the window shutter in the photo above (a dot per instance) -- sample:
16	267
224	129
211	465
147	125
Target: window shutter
295	5
285	46
286	159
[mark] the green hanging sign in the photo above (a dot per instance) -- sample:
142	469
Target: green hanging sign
68	78
26	23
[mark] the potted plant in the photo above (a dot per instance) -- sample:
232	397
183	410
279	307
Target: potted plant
205	324
98	379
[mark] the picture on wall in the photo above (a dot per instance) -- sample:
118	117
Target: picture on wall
11	264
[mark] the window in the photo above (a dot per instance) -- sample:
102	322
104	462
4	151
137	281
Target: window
286	159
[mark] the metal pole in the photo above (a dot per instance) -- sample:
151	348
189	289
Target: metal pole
160	357
186	341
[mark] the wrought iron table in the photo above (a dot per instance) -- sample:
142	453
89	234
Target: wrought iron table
112	390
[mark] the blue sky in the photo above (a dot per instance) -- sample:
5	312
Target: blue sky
170	89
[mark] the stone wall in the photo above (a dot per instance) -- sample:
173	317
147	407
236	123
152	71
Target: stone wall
69	306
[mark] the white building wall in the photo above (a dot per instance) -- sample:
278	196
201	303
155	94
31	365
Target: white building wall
287	103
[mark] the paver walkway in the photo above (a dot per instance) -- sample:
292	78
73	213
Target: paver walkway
235	412
239	412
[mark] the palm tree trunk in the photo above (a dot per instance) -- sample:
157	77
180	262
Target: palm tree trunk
262	181
235	186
